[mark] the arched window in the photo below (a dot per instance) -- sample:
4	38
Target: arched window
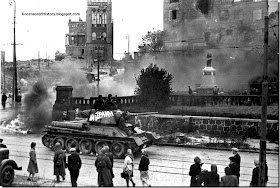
93	36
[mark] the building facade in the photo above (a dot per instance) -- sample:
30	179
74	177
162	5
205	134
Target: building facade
99	40
75	40
199	23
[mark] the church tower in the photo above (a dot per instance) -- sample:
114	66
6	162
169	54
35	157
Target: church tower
99	40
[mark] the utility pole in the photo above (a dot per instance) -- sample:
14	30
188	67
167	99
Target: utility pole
15	88
4	74
98	70
262	157
39	60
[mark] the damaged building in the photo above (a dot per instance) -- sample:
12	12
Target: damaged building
210	23
75	40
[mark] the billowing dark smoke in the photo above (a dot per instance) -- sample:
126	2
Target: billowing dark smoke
38	107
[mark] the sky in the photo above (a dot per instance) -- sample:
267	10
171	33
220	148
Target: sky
46	34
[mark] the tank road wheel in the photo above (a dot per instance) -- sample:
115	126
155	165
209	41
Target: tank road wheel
71	141
7	176
99	145
60	140
118	149
85	146
47	141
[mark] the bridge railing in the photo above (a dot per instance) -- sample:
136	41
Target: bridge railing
185	100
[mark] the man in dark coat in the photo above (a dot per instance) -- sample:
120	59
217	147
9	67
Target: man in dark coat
74	165
99	103
190	90
236	156
1	144
122	125
59	161
4	98
111	157
255	175
235	169
109	103
195	170
103	166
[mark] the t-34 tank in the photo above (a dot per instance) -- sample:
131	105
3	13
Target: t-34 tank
100	128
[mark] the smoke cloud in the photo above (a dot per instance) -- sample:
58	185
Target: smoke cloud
37	107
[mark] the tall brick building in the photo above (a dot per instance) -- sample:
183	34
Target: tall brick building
75	40
99	40
199	23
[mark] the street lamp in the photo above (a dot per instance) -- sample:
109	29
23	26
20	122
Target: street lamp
15	89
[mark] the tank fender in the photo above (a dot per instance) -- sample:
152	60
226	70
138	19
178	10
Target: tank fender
152	136
10	162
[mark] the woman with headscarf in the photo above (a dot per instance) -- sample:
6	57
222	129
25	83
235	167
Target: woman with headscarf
144	168
59	161
128	167
32	166
103	166
195	170
212	178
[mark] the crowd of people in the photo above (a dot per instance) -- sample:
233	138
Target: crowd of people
105	161
201	177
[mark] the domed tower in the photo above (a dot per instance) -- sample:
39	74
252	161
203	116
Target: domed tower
208	78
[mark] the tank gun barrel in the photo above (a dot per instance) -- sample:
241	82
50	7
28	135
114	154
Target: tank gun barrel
142	113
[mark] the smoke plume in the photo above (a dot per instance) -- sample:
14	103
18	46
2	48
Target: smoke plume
38	107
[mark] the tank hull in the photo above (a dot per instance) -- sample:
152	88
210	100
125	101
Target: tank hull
90	138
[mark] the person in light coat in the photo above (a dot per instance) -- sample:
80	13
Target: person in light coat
32	165
128	167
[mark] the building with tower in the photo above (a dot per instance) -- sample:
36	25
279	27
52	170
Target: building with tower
99	35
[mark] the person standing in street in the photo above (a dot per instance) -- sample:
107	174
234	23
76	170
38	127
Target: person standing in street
59	162
128	167
32	165
228	180
144	168
190	90
195	170
236	156
235	169
74	165
103	166
111	157
255	175
212	178
4	98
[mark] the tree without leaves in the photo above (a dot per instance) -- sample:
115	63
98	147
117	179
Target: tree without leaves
152	42
153	87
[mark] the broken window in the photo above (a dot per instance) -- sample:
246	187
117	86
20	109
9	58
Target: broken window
224	15
174	1
257	15
172	14
229	32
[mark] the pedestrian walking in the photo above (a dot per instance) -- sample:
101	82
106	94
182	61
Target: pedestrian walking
111	157
235	169
74	165
229	180
255	175
1	144
236	156
4	98
190	90
32	165
103	166
144	168
128	167
59	162
212	178
195	170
